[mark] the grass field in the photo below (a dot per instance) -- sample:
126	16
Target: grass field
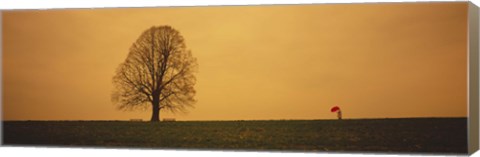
419	135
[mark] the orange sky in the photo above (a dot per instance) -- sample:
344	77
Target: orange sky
255	62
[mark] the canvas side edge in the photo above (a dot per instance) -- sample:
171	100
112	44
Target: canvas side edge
473	78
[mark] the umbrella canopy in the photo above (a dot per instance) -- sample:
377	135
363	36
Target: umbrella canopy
335	109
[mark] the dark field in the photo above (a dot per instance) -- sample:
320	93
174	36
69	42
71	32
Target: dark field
420	135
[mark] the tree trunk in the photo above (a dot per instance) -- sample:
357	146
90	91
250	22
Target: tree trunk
155	111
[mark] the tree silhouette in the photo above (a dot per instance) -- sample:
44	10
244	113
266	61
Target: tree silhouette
158	73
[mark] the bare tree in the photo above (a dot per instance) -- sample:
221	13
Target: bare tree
158	73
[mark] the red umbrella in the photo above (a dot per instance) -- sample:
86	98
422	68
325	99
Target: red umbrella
335	109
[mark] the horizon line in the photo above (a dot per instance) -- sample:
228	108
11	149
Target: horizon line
130	120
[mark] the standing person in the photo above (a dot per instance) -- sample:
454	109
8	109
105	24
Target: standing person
339	114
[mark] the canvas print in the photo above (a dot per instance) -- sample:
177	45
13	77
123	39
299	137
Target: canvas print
373	77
